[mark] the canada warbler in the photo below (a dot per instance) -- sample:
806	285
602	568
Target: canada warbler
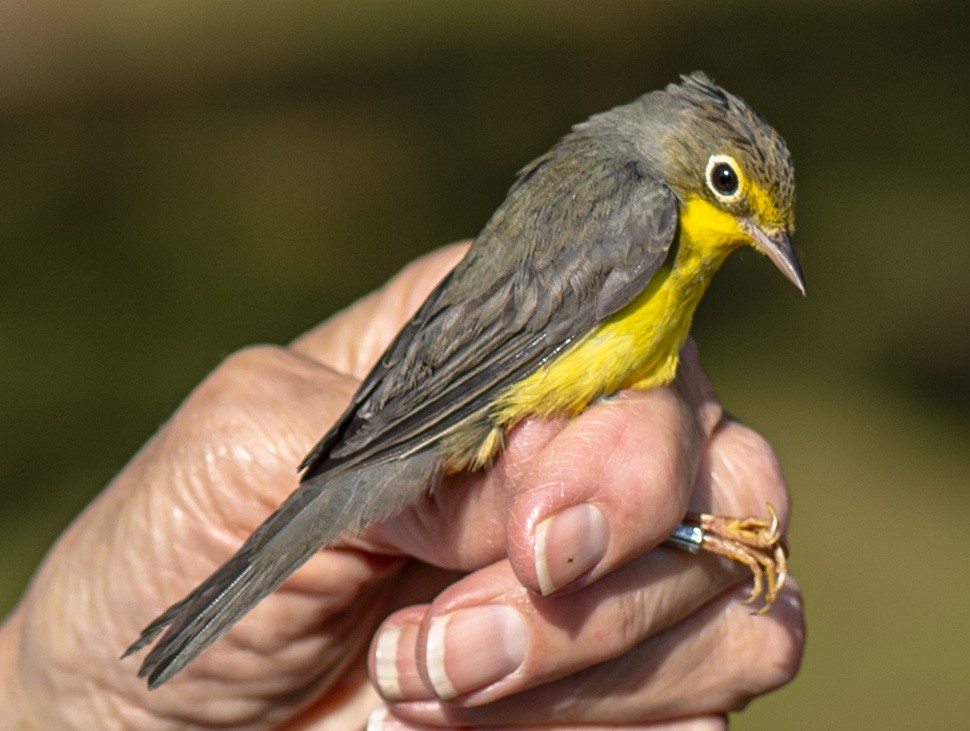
582	283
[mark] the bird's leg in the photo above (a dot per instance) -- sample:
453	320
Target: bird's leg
755	542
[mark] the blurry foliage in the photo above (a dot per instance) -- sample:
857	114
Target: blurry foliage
182	179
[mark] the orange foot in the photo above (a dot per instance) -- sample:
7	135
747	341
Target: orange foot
755	542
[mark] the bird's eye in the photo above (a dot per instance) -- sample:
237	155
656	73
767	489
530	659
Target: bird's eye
723	178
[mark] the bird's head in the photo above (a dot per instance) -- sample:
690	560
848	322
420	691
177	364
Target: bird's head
732	172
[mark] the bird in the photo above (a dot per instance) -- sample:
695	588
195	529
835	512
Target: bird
583	282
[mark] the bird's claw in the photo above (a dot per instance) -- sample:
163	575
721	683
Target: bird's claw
753	541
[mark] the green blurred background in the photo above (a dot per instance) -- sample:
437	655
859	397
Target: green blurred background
182	178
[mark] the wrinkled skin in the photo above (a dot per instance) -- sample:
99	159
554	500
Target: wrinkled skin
644	639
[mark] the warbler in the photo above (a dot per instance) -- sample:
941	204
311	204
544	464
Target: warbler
583	282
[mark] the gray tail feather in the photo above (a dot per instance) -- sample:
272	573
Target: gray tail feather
316	514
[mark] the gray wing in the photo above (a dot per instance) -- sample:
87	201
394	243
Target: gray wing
536	279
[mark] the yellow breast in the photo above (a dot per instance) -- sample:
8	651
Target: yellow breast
638	346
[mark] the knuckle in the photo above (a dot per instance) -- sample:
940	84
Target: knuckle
240	368
632	613
781	658
232	390
760	455
773	649
747	460
237	375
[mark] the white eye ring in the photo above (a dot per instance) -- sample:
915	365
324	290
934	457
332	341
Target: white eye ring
723	177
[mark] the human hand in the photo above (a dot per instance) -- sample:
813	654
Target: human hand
643	639
226	459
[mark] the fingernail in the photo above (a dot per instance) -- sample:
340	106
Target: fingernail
471	648
568	545
397	675
375	722
381	719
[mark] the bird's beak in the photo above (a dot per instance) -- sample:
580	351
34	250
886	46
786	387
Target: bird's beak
777	247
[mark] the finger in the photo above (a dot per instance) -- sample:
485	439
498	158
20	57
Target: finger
612	484
715	661
383	720
488	637
351	341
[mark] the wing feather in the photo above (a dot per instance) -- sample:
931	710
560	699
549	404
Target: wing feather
536	279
